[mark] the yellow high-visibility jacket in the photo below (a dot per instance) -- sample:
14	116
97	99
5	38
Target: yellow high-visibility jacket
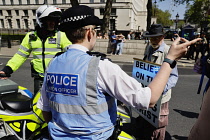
42	52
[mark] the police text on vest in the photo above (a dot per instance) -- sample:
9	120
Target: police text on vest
62	83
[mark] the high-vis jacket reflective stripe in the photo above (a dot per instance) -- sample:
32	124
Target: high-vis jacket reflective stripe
77	106
33	46
81	110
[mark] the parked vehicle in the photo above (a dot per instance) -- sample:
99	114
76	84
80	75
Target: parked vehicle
20	119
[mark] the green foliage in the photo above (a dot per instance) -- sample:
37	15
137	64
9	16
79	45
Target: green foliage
163	17
180	24
197	12
193	14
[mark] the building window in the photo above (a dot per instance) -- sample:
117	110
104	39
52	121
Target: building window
25	12
18	23
34	12
54	1
3	2
102	1
112	24
2	23
28	1
26	23
12	2
17	12
63	1
9	23
37	2
20	2
102	11
91	1
1	14
45	2
9	13
113	11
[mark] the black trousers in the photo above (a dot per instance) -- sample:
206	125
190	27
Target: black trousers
117	130
38	81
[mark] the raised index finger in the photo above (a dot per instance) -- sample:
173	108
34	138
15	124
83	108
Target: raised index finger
188	43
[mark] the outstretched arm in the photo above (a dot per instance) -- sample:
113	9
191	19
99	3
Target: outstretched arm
176	52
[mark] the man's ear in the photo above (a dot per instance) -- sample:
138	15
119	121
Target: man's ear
89	35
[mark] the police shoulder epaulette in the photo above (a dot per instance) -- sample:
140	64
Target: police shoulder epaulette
32	36
97	54
57	54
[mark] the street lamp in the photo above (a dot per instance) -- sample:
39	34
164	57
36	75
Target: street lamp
155	8
177	18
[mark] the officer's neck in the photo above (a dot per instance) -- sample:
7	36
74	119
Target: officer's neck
86	45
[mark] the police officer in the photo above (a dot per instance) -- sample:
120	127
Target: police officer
43	43
79	89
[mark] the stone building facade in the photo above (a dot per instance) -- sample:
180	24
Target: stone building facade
126	15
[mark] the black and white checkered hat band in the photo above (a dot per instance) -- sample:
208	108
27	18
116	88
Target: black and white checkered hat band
75	18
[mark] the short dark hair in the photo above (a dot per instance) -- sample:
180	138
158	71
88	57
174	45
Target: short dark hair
76	35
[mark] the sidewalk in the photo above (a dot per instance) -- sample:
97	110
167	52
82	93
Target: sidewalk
124	58
8	52
183	62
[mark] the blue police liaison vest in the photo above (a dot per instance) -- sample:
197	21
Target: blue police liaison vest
77	106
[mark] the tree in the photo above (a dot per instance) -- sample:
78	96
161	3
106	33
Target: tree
198	12
149	13
180	24
163	17
149	9
106	17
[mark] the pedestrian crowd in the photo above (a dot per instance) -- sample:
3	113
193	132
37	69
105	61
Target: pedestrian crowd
86	107
117	42
200	48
